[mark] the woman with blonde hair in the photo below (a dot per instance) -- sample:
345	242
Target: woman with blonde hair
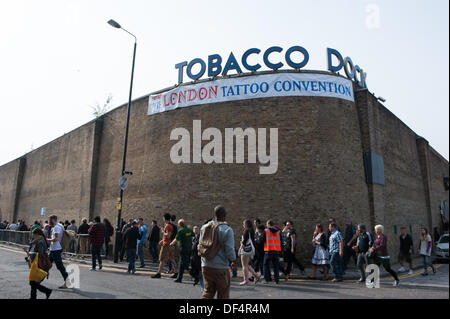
380	253
425	251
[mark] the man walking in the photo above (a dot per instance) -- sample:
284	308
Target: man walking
167	252
55	247
130	238
216	269
184	240
336	248
363	243
96	238
153	240
272	251
140	242
350	231
405	250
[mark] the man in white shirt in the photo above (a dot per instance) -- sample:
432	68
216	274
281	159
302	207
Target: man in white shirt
55	247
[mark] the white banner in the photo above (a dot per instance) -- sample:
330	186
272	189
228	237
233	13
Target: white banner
252	87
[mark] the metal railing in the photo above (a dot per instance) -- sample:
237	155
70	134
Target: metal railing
14	236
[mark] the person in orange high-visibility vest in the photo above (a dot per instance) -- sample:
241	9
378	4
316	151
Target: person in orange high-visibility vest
272	251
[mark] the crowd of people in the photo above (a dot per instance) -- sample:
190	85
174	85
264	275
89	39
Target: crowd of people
208	250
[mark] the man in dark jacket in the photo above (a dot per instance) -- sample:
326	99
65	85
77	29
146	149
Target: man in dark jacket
363	243
153	240
259	249
130	238
350	231
83	237
96	238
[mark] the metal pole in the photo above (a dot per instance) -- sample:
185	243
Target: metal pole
124	157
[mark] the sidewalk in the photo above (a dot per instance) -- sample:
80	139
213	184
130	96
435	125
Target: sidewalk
352	273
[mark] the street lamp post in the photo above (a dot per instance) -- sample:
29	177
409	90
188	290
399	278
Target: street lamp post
125	143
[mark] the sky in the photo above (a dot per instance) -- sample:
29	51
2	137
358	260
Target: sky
58	59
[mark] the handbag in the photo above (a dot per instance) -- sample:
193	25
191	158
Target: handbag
249	249
44	262
36	274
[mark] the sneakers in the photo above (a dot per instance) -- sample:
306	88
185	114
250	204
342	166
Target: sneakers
92	269
158	275
133	271
178	281
100	267
410	272
401	269
336	280
396	283
243	283
361	280
142	266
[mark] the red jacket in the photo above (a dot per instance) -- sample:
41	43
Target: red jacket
97	234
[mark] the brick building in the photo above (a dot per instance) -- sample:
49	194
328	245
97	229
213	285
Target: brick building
337	158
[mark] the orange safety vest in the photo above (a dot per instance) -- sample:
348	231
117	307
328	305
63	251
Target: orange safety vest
273	241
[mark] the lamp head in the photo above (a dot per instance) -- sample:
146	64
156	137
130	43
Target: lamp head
114	24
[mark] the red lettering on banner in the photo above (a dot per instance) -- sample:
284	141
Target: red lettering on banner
173	98
202	93
165	101
213	90
182	96
190	98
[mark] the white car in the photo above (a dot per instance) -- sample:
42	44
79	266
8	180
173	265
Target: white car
442	247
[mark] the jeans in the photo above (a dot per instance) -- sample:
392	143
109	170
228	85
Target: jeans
336	264
140	251
96	255
426	263
274	258
185	255
55	256
131	258
35	286
153	249
361	262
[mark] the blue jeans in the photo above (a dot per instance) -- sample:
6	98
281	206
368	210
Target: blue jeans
55	256
426	263
336	265
140	251
274	258
153	249
131	258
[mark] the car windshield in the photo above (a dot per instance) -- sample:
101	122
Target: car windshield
444	240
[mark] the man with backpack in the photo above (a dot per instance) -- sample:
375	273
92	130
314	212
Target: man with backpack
216	248
167	252
57	233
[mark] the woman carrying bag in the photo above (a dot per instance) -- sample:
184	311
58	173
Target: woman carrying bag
247	252
39	264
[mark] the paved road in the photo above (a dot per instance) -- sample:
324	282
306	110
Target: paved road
111	283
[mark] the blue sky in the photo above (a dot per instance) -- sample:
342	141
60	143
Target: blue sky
58	58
